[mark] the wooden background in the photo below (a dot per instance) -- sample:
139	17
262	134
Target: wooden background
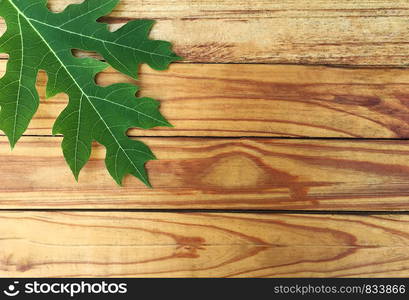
289	155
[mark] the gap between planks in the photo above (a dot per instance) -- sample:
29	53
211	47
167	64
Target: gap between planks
333	66
260	174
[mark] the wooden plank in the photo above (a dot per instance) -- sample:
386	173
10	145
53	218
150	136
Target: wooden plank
119	244
310	32
216	174
286	31
263	100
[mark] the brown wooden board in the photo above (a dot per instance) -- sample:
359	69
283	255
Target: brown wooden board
216	174
117	244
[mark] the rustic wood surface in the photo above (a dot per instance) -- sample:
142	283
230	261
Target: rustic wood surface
197	245
255	129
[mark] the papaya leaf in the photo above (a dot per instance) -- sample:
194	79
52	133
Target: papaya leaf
38	39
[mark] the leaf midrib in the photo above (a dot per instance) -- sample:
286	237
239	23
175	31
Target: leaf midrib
97	39
13	140
81	90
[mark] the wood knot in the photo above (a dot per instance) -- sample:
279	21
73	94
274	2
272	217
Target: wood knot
188	247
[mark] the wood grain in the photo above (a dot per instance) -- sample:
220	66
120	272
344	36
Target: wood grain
216	173
121	244
263	100
280	31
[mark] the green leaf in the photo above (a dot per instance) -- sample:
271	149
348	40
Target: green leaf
37	39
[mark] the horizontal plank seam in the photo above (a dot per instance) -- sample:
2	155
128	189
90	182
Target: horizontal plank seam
339	66
215	211
240	137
